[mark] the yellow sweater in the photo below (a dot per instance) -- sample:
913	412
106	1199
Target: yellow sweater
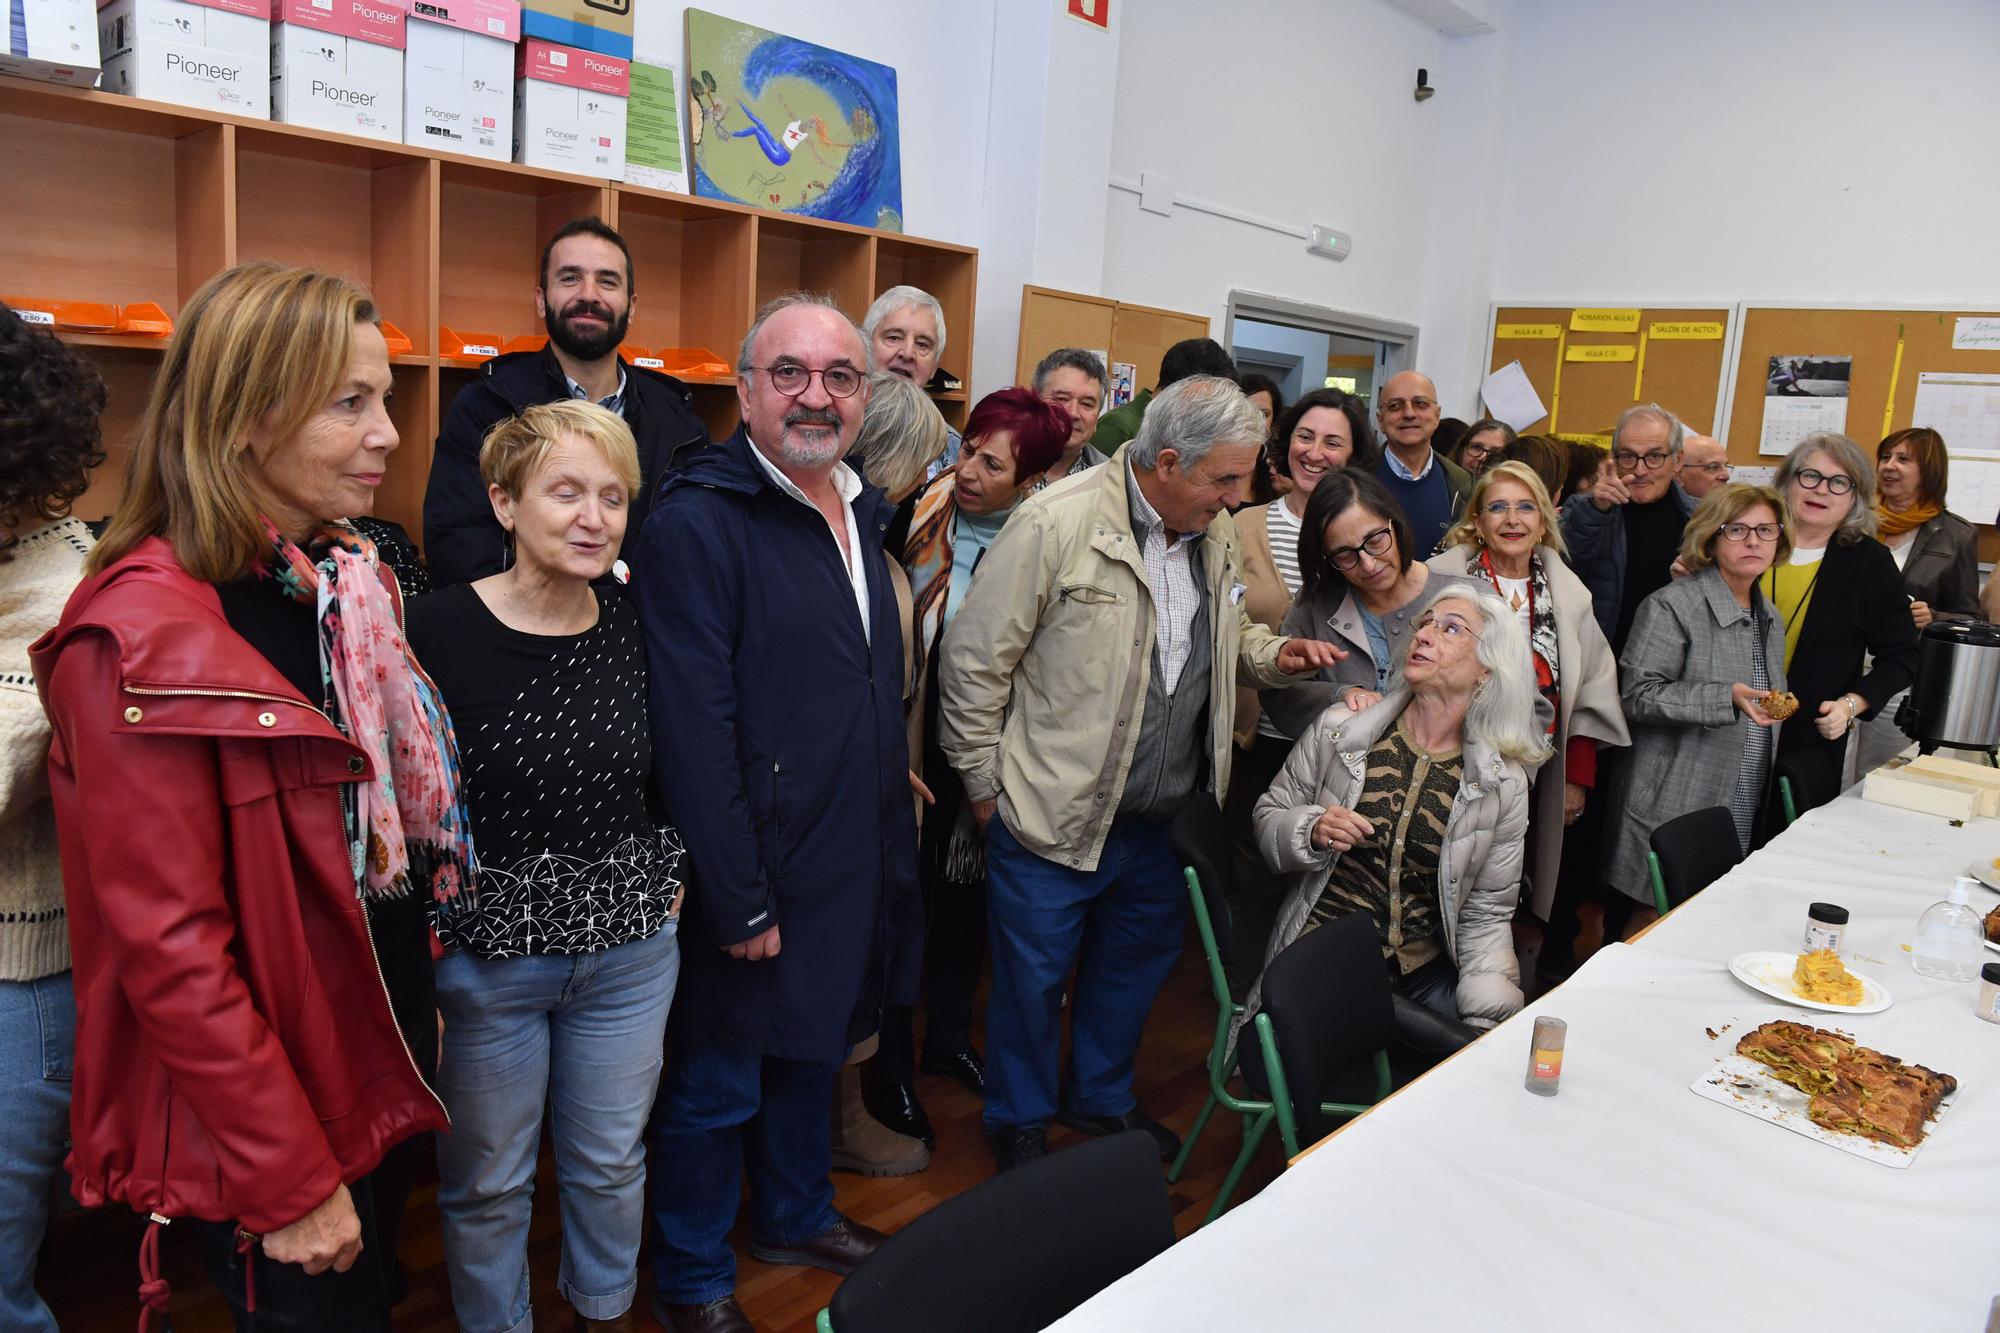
1789	587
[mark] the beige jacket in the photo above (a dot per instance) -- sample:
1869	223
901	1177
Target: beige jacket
1587	675
1479	868
1042	681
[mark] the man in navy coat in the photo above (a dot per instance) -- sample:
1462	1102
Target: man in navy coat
776	674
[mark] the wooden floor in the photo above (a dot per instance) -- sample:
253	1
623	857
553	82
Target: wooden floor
89	1268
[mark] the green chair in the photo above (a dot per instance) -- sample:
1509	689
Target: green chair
1791	806
1691	852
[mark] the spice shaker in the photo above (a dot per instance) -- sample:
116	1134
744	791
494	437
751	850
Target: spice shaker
1545	1056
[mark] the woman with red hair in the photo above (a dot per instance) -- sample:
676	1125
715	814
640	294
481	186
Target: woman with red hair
1011	439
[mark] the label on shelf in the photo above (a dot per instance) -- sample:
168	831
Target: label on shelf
37	317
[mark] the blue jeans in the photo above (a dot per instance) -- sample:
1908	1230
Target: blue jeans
581	1034
37	1043
719	1110
1119	926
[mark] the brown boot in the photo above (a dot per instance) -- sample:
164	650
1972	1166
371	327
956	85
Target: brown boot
864	1145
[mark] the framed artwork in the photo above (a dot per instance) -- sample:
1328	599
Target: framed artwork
791	126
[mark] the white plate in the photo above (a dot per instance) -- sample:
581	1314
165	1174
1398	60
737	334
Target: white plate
1985	872
1746	1085
1771	973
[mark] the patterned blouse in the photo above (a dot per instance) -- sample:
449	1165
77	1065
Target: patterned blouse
1406	793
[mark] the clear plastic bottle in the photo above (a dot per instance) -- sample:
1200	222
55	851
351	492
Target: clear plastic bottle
1950	937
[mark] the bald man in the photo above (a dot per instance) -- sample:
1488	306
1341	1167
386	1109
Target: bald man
1704	465
1430	487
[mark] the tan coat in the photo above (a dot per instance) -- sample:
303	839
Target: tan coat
1587	675
1042	682
1265	598
1479	866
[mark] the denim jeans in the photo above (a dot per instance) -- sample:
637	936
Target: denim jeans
719	1111
579	1034
37	1039
1119	926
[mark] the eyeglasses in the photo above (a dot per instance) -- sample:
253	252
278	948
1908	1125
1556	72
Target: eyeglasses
1743	532
1501	508
1376	543
791	379
1838	483
1628	461
1449	626
1395	405
1479	450
1713	469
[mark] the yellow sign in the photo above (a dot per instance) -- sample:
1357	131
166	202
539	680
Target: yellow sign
1701	332
1601	352
1601	441
1603	321
1527	331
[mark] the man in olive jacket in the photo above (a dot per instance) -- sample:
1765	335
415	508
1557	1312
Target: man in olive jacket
1087	693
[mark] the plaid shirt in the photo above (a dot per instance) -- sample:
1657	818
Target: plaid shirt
1170	578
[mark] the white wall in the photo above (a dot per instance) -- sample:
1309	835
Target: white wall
1241	103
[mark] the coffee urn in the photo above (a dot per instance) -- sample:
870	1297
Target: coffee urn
1956	700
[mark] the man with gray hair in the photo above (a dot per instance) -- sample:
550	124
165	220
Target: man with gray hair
1075	381
906	336
1624	533
1087	692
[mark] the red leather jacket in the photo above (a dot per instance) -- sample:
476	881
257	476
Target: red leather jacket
236	1057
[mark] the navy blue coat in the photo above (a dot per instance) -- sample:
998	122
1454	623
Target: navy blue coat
782	758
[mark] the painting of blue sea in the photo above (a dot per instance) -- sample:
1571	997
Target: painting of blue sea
787	125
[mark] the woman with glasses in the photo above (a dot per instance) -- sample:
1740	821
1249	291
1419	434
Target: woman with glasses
1483	445
1705	652
1507	541
1850	642
1326	431
1937	551
1011	438
1360	585
1413	808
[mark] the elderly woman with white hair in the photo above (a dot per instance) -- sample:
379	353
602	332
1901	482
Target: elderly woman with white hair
1850	643
1414	809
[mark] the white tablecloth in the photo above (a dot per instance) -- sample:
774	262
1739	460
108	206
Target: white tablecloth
1626	1201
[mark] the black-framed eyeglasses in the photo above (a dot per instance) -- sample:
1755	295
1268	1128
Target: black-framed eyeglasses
1743	532
1376	543
1449	626
1630	461
791	379
1395	405
1836	483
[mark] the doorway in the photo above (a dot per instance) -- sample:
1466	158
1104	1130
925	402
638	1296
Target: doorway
1304	347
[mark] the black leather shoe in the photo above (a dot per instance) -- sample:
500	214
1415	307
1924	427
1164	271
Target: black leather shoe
1097	1126
837	1249
896	1105
1017	1144
723	1316
964	1068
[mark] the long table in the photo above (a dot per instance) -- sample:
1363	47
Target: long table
1626	1201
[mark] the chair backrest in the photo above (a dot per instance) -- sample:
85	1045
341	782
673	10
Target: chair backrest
1695	850
1200	839
1019	1251
1813	780
1329	1001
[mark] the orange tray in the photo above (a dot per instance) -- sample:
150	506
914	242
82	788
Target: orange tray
399	341
65	316
466	349
690	361
527	342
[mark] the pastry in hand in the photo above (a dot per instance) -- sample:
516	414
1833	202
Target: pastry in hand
1780	704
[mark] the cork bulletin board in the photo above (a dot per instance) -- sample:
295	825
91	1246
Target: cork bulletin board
1589	363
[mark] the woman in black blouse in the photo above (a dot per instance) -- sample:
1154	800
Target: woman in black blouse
556	984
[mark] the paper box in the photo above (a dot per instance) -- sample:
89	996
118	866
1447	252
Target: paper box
213	54
338	65
603	26
51	40
569	109
458	76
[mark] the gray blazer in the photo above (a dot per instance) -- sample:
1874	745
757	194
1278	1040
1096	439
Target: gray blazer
1334	616
1690	643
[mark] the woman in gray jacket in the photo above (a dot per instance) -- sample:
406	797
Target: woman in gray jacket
1414	809
1705	652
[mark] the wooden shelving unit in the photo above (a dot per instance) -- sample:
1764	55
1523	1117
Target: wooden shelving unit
112	198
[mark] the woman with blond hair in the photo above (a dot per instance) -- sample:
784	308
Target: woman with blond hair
230	690
1508	539
1706	652
555	985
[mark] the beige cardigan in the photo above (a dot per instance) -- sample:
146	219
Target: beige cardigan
1587	674
1264	598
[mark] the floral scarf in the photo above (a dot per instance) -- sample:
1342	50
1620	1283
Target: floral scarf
926	557
407	829
1541	629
